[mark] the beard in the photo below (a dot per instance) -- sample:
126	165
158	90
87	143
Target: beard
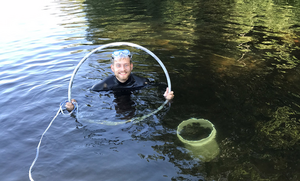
122	76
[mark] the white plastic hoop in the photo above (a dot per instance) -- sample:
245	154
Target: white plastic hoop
120	44
112	45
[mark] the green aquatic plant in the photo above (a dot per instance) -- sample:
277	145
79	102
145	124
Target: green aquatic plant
283	131
248	171
270	154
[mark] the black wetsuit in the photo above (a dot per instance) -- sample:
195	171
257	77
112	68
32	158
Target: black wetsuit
122	92
134	82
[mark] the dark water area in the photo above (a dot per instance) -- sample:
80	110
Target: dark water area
234	63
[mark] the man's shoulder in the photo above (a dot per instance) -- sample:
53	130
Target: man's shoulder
111	83
104	84
140	81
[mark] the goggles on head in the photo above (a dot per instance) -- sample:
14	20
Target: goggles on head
121	54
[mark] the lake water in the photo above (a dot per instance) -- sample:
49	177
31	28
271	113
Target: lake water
235	63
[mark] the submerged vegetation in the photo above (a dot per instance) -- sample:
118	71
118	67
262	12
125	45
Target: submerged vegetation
283	131
235	63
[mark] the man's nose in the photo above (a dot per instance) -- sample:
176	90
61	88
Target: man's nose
123	67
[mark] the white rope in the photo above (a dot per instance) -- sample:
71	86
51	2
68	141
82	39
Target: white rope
38	147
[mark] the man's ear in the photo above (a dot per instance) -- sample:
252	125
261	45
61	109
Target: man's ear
112	68
131	66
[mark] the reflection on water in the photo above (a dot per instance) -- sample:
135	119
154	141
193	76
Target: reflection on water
234	63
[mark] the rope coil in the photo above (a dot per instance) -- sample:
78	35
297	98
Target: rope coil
75	104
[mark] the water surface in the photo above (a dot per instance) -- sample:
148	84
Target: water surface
234	63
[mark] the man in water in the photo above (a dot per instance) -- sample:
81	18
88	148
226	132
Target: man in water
122	79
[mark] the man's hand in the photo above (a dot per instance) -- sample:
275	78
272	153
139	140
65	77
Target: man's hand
169	95
69	106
